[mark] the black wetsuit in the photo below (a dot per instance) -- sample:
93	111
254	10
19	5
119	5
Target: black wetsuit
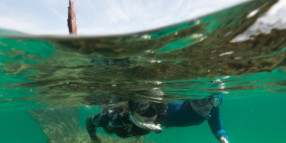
114	120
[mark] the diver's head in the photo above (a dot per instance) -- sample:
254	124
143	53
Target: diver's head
146	108
143	114
204	106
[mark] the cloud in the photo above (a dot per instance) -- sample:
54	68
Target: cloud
127	16
57	7
34	17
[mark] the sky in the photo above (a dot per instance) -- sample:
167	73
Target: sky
102	17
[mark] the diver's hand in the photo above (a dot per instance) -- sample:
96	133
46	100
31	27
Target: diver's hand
223	140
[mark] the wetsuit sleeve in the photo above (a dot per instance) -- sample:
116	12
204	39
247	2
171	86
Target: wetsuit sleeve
216	124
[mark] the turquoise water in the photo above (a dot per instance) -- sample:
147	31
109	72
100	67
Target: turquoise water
49	85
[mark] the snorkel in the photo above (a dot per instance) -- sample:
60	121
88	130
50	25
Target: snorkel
143	114
145	123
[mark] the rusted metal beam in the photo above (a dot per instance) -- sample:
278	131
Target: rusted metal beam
72	18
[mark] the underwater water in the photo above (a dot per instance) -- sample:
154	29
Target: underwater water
50	85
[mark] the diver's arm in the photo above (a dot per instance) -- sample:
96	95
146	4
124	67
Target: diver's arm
216	125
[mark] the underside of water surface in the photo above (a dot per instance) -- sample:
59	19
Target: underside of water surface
51	84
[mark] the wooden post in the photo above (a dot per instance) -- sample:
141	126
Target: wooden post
72	18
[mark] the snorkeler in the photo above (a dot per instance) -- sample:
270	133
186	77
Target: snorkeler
195	112
126	119
137	118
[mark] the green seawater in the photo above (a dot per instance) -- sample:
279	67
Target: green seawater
49	85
